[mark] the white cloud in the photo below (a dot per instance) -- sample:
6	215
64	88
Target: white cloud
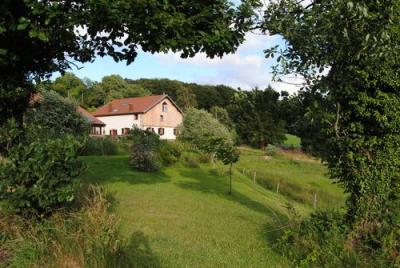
247	68
202	60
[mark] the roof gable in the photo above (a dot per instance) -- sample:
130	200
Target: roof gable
130	105
89	117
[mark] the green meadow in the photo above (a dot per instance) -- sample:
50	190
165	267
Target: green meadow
183	217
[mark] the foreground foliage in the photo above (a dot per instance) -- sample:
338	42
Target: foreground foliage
40	177
88	237
357	45
320	241
39	172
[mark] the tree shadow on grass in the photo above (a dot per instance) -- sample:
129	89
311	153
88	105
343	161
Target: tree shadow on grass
103	170
207	183
136	253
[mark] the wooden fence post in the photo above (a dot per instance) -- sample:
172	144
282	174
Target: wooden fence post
277	187
315	200
254	177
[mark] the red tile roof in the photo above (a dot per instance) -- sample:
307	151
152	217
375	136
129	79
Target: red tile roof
92	120
129	105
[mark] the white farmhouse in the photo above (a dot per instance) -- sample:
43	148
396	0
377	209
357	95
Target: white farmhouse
155	113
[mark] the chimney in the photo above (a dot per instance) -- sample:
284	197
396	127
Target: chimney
130	107
110	108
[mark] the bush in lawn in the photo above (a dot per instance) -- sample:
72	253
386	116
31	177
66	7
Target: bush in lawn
170	152
41	176
270	150
145	150
199	126
190	160
204	158
99	146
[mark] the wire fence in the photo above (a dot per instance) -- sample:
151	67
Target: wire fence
295	191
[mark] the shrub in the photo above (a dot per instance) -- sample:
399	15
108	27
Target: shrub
191	160
322	241
52	116
204	158
40	170
40	177
145	150
169	153
270	150
100	146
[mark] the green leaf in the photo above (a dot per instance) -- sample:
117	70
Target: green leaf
22	26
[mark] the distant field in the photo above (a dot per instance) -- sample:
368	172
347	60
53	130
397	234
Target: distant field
183	217
300	177
292	140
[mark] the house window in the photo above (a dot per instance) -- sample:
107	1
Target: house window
113	132
161	118
164	107
125	131
135	117
150	129
175	131
160	131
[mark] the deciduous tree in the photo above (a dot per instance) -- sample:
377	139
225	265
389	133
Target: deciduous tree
199	126
226	152
257	119
350	50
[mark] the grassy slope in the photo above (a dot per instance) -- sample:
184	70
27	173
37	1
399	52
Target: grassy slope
300	176
182	217
292	140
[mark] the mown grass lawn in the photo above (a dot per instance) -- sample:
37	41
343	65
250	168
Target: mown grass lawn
183	217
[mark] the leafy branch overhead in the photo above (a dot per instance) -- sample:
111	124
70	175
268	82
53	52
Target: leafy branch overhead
60	32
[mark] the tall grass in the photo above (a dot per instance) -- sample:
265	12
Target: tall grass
87	237
292	174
